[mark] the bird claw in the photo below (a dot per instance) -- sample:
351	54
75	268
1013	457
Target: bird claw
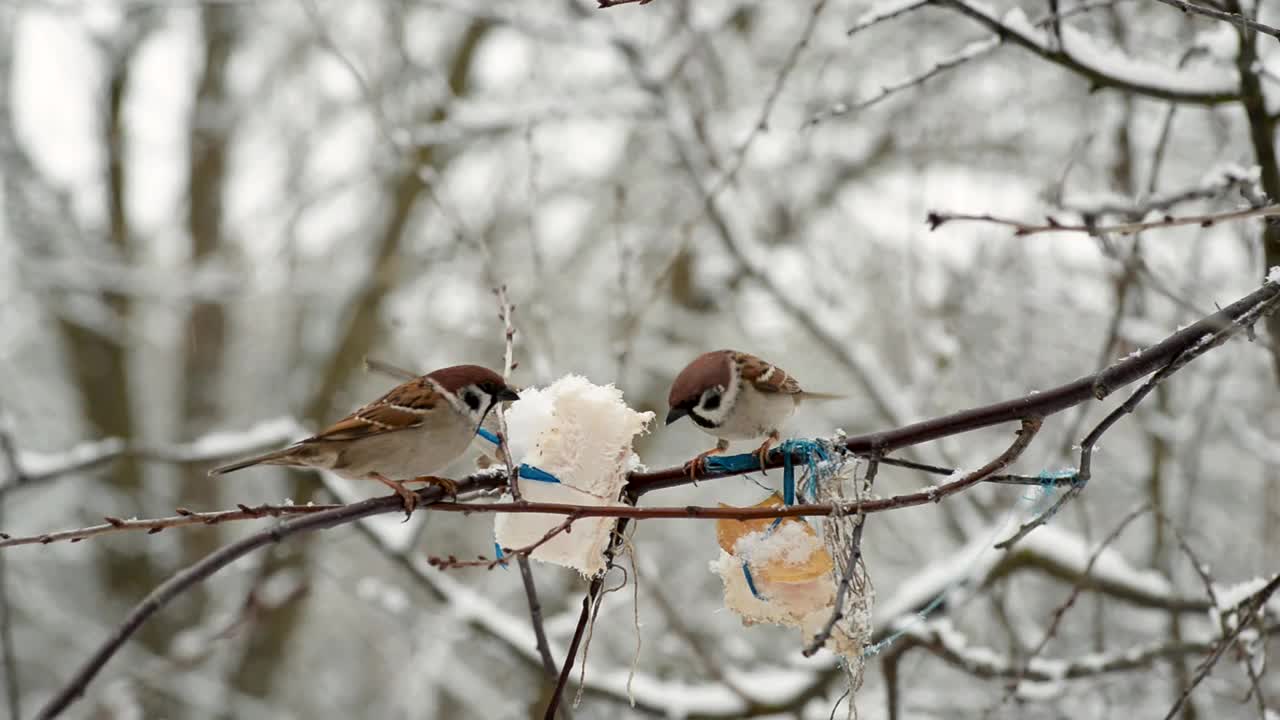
407	496
410	501
450	487
698	465
762	452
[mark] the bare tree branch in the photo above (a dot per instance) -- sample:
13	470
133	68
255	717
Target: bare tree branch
12	691
1236	19
937	219
1096	74
1248	613
1061	611
505	312
1169	356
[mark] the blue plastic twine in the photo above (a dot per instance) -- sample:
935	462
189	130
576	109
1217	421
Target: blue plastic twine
813	452
529	472
751	583
732	463
525	471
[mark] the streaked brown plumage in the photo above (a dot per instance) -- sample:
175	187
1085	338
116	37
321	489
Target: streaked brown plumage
736	396
412	431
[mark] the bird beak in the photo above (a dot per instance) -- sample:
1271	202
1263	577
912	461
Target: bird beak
675	414
507	394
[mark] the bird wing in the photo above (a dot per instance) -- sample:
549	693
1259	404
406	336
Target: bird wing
405	406
766	377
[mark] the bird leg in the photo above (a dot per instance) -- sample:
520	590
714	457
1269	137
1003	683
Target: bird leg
407	495
450	486
762	452
698	465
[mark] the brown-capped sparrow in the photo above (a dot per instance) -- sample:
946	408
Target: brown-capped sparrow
735	396
404	436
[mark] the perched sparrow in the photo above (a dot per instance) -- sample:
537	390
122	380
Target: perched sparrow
735	396
416	429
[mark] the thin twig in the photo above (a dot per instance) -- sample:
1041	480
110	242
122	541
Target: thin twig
1206	342
967	54
1218	187
1099	74
12	690
875	16
453	563
1061	611
589	601
762	122
505	313
1248	612
155	525
1239	21
1202	571
1022	229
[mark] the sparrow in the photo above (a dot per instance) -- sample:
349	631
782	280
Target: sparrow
416	429
735	396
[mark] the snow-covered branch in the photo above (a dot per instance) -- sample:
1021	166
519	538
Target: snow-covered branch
1102	66
944	641
39	467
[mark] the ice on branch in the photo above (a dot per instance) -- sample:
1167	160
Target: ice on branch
572	442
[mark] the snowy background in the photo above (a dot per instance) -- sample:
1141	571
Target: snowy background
214	210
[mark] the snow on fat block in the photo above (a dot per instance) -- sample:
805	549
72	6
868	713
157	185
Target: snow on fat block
580	434
779	572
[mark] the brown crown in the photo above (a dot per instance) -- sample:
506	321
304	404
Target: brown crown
706	370
457	377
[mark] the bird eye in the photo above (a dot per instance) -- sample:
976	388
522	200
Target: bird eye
711	401
471	399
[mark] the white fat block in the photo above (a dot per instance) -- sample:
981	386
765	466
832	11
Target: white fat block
581	433
791	585
791	570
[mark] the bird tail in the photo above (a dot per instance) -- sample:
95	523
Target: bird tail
275	457
822	396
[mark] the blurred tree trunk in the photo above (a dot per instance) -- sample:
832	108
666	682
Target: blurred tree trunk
405	190
100	364
268	644
1262	133
209	133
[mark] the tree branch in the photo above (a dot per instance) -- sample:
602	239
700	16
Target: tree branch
1167	357
1232	319
505	312
1238	20
1095	74
1020	229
